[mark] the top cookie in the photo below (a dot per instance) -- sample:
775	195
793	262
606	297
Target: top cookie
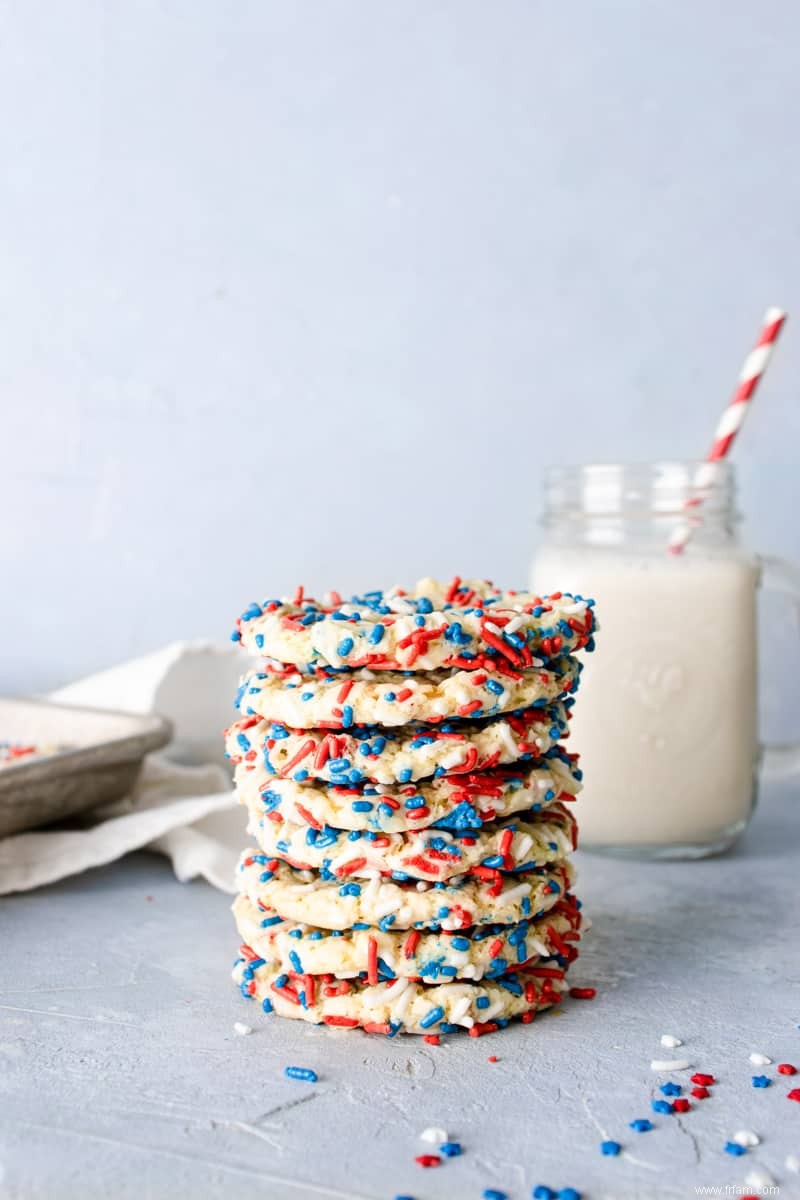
468	624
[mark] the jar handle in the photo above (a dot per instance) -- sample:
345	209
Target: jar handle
781	759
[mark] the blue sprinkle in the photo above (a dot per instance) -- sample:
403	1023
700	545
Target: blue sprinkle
450	1149
459	943
389	697
611	1149
671	1089
344	647
493	1194
306	695
735	1149
294	959
236	636
641	1125
300	776
377	634
347	716
431	1017
304	1073
361	806
494	687
661	1106
569	1194
405	775
543	1192
482	1002
266	1004
761	1081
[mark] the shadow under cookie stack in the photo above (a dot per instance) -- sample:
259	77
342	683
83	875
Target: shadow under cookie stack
400	758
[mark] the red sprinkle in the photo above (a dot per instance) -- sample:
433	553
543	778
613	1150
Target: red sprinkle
372	961
428	1160
581	993
492	1058
432	1039
681	1105
786	1069
703	1080
700	1093
794	1094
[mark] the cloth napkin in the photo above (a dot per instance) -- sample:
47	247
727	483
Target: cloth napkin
183	804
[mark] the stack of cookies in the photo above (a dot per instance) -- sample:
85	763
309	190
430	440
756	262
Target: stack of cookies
400	758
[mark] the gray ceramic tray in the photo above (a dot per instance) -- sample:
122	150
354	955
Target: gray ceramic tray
101	760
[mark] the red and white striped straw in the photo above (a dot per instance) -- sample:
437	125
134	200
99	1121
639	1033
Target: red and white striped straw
733	418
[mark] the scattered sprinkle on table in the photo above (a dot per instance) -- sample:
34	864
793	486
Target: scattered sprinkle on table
735	1149
493	1194
761	1081
794	1094
700	1093
543	1192
434	1135
569	1194
493	1058
759	1060
746	1137
759	1178
681	1105
242	1029
786	1069
703	1080
665	1064
304	1073
428	1160
450	1149
670	1089
641	1125
611	1149
669	1042
661	1106
583	993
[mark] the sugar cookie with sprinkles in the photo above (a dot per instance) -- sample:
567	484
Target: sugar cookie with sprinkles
397	1004
401	758
422	628
551	941
335	700
484	896
399	755
450	802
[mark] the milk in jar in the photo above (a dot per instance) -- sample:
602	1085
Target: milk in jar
666	726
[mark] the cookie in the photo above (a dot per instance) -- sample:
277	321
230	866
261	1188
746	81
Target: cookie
485	896
461	802
397	755
397	1005
517	845
424	628
434	957
330	700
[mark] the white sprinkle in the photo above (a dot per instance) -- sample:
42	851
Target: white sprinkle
759	1060
793	1163
434	1136
759	1178
669	1042
746	1137
241	1029
664	1064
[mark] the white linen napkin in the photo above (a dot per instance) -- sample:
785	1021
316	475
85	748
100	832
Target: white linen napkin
182	805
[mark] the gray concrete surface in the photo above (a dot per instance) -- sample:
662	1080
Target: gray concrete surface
122	1075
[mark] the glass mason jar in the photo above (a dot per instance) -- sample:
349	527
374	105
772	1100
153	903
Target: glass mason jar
666	716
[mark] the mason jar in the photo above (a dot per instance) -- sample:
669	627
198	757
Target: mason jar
666	718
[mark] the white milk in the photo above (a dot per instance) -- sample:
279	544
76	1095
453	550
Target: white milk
665	717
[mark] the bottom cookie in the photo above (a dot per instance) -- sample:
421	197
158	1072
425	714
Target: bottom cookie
399	1005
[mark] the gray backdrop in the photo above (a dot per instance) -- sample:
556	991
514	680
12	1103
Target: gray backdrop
311	291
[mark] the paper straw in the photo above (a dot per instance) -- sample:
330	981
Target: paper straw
732	419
